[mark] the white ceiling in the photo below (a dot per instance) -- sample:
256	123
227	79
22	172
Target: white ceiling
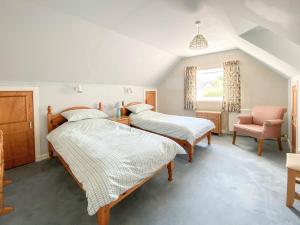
40	44
169	24
134	41
166	24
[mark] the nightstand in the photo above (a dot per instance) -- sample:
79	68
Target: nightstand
213	116
121	119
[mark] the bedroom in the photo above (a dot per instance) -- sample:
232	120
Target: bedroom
81	53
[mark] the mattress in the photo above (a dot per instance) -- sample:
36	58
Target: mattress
180	127
108	158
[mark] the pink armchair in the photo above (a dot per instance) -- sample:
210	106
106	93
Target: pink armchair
264	123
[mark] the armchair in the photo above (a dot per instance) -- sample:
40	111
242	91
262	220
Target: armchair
264	123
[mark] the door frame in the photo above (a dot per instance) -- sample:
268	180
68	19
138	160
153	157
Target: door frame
145	90
295	84
35	92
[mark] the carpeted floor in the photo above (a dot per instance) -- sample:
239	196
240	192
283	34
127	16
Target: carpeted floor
225	184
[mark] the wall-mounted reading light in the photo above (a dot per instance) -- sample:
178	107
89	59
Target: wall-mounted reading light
127	90
79	88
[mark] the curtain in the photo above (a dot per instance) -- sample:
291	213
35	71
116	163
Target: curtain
190	80
232	87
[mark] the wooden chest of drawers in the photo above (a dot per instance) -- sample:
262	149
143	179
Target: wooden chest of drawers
213	116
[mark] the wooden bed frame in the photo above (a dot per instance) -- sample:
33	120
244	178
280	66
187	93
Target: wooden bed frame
185	144
103	214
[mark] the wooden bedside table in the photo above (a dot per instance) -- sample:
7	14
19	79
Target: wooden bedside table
121	119
213	116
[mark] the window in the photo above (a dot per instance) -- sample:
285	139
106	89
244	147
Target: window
210	85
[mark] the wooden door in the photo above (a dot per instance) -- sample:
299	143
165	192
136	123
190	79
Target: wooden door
16	122
294	118
150	98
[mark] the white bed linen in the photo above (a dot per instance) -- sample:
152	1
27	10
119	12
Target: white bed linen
181	127
108	158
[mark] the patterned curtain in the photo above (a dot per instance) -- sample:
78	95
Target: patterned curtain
232	87
190	86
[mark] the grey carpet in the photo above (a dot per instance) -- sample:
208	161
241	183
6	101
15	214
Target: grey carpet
225	184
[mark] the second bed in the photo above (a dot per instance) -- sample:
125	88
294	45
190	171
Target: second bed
186	131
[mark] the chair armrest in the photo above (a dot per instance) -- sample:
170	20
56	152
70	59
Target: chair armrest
245	119
270	123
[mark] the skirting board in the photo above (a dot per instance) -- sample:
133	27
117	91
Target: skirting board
42	157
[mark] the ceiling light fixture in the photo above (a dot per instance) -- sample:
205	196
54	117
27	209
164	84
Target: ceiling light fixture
199	41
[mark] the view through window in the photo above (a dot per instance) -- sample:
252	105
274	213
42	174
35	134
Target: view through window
210	85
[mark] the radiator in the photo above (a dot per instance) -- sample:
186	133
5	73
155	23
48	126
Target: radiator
232	118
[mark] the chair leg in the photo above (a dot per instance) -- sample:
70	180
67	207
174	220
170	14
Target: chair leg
291	180
234	137
279	143
7	182
260	146
4	209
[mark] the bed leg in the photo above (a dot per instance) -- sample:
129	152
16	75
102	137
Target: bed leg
50	151
209	138
170	167
103	215
191	152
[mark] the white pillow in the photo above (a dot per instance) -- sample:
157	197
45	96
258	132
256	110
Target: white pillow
139	108
81	114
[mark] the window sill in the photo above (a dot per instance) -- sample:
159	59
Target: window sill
209	100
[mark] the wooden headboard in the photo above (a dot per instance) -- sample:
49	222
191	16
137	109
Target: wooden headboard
55	120
126	112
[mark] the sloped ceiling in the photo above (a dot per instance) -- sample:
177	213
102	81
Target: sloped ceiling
166	24
279	17
43	45
134	41
281	48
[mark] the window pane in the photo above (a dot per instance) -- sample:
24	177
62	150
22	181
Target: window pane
210	84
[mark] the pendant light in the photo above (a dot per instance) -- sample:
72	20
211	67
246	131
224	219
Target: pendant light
199	41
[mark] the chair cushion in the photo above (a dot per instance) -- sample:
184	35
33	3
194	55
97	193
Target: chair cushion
251	130
293	161
262	113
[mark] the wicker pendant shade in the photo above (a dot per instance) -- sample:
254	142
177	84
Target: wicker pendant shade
199	41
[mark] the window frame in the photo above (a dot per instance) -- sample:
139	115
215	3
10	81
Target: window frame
209	99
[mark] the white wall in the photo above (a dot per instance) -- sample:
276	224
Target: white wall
259	84
63	95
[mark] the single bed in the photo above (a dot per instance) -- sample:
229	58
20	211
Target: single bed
108	160
186	131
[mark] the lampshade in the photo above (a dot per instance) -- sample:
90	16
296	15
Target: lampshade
199	41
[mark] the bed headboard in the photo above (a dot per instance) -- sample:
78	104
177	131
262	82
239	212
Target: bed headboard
55	120
126	112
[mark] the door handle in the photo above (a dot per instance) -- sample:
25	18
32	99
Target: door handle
30	125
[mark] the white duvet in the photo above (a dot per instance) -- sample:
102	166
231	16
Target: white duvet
108	158
181	127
